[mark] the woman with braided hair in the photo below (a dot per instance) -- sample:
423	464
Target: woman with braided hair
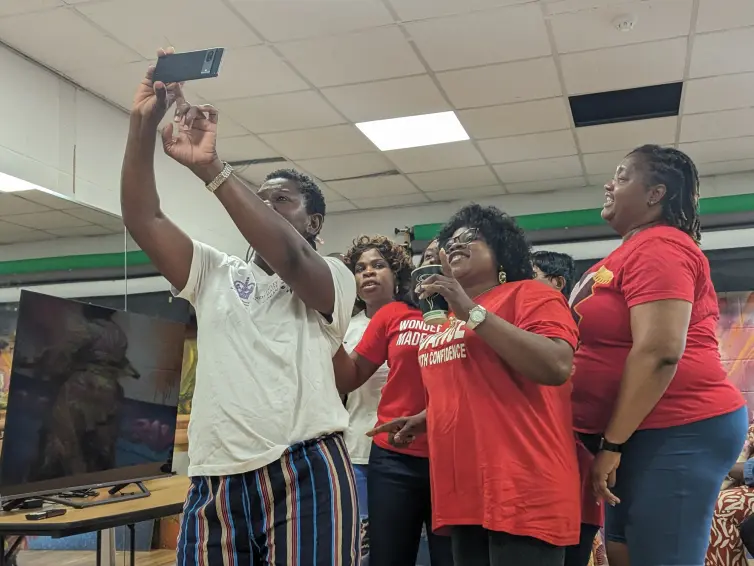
650	394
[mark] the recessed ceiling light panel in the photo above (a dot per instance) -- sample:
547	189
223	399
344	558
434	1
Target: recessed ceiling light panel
414	131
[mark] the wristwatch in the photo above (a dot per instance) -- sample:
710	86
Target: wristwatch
215	183
477	316
608	446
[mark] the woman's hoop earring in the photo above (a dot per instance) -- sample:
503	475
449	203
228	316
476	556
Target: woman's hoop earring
501	276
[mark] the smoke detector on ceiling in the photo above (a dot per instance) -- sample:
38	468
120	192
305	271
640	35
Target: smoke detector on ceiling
624	23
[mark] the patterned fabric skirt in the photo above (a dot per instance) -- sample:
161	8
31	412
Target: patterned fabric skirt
725	547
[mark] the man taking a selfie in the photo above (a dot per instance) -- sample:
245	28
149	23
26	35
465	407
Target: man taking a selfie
271	478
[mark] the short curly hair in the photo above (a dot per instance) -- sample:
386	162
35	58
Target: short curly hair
315	200
507	241
395	255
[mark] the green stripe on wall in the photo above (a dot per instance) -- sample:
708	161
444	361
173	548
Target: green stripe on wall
591	216
422	232
66	263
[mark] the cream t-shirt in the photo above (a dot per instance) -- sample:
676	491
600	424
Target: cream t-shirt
362	403
264	378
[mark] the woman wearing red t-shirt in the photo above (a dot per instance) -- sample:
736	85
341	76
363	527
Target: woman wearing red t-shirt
505	480
398	488
648	381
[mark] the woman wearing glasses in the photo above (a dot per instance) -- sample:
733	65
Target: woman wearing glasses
398	487
505	480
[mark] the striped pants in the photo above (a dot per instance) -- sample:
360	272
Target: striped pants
300	510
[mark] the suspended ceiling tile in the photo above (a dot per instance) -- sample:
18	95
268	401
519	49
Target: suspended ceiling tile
244	148
436	157
300	19
79	232
604	163
339	206
530	146
716	15
454	179
624	67
466	194
718	93
409	10
515	119
170	23
539	170
719	150
481	38
47	200
725	167
393	98
25	237
389	202
548	185
610	137
12	203
47	36
348	166
319	142
370	55
374	187
502	84
47	220
94	216
117	83
722	53
718	125
592	29
14	7
281	112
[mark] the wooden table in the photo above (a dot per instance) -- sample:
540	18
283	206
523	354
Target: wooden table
166	499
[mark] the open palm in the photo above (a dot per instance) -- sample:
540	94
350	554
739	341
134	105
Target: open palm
195	144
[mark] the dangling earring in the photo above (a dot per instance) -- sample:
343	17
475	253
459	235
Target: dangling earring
501	276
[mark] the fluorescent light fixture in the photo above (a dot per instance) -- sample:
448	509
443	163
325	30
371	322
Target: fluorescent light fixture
11	184
414	131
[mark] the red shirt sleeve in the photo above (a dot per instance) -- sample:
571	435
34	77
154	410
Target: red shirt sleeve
373	344
544	311
659	269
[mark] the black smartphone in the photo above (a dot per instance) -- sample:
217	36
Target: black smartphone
190	66
39	515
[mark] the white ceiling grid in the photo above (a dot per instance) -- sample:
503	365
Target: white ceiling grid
298	74
35	216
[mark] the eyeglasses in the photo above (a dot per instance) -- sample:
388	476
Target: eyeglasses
464	238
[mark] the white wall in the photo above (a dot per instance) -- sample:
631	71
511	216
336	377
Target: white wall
52	129
341	228
49	125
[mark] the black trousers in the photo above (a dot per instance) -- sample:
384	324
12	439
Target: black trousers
579	554
399	505
476	546
747	533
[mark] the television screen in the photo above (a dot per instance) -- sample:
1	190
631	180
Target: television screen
93	397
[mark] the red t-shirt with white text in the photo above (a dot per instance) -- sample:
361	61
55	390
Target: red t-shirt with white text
393	336
502	448
658	263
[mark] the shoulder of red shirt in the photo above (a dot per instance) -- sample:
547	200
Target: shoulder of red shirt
525	289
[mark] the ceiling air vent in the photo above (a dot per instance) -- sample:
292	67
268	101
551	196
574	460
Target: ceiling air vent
626	105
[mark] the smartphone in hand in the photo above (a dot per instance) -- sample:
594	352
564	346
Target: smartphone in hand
189	66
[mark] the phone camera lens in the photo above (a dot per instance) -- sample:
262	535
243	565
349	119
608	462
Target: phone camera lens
210	56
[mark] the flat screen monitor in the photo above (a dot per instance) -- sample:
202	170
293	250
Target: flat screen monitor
92	400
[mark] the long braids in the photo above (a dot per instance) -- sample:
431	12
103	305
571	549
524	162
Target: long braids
674	169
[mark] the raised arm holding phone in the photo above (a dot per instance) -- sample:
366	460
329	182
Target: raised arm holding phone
266	418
